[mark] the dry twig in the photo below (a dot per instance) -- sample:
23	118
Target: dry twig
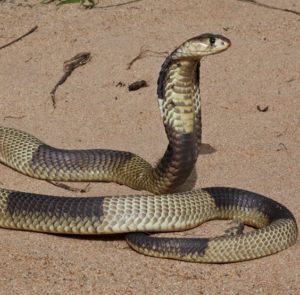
69	188
271	7
14	117
19	38
69	66
144	53
119	4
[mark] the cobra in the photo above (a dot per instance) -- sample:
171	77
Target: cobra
179	101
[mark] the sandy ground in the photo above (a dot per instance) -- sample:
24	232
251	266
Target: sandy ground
249	149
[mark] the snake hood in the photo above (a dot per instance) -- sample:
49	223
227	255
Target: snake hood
192	50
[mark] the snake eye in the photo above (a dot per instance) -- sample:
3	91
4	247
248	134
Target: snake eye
212	40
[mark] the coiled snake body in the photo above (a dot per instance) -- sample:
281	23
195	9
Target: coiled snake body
179	101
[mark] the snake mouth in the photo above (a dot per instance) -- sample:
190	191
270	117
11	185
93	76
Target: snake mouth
198	55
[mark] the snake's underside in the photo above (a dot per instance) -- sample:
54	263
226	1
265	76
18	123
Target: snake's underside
179	100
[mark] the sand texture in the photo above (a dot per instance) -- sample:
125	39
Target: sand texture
244	147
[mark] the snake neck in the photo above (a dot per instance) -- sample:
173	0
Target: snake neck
178	93
179	101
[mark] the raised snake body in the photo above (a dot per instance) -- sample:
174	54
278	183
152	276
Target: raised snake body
179	100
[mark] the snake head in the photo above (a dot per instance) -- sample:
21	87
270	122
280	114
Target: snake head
202	45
